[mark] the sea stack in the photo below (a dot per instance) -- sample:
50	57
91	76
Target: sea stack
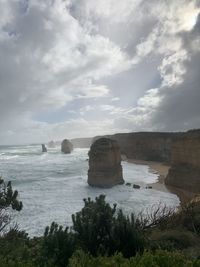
66	146
51	144
44	149
105	168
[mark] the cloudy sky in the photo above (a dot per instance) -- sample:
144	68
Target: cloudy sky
77	68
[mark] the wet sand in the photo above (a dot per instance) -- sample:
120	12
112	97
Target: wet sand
161	169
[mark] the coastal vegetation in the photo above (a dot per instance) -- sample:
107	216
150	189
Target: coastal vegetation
101	235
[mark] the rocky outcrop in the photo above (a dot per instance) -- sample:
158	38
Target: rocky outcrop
153	146
66	146
44	149
51	144
105	168
185	162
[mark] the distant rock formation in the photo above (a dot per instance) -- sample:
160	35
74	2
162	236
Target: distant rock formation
66	146
81	142
44	149
105	168
185	163
51	144
136	186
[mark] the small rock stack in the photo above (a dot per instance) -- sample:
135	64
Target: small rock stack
44	149
66	146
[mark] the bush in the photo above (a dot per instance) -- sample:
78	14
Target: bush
148	259
8	199
93	225
57	247
126	236
191	217
174	239
101	230
16	249
13	244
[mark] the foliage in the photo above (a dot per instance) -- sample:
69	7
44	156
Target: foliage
158	259
101	230
126	235
58	245
190	216
173	239
93	225
8	198
106	237
16	249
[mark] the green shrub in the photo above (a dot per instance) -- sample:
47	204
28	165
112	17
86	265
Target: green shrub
16	248
148	259
8	199
14	245
126	237
93	225
57	247
174	239
15	263
190	218
101	230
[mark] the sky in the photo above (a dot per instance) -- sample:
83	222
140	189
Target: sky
80	68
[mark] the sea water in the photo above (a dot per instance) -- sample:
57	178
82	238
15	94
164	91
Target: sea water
52	186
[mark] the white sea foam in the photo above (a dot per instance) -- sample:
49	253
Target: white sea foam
52	186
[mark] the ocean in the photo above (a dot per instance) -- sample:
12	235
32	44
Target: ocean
52	186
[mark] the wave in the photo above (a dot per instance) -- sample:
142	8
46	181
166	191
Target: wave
5	157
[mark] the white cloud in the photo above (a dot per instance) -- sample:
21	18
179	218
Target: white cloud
98	61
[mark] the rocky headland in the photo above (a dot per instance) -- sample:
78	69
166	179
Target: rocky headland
180	150
105	168
185	162
66	146
150	146
81	142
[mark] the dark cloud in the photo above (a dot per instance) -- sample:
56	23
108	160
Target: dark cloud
180	109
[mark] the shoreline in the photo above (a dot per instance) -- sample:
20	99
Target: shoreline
161	169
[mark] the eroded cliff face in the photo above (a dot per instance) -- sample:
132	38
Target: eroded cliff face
81	142
145	145
185	162
105	168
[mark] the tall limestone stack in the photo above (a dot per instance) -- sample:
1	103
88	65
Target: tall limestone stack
105	168
66	146
185	163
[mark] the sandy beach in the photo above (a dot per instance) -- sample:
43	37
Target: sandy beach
162	169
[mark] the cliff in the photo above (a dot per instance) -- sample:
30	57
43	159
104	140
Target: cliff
105	168
153	146
185	162
81	142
